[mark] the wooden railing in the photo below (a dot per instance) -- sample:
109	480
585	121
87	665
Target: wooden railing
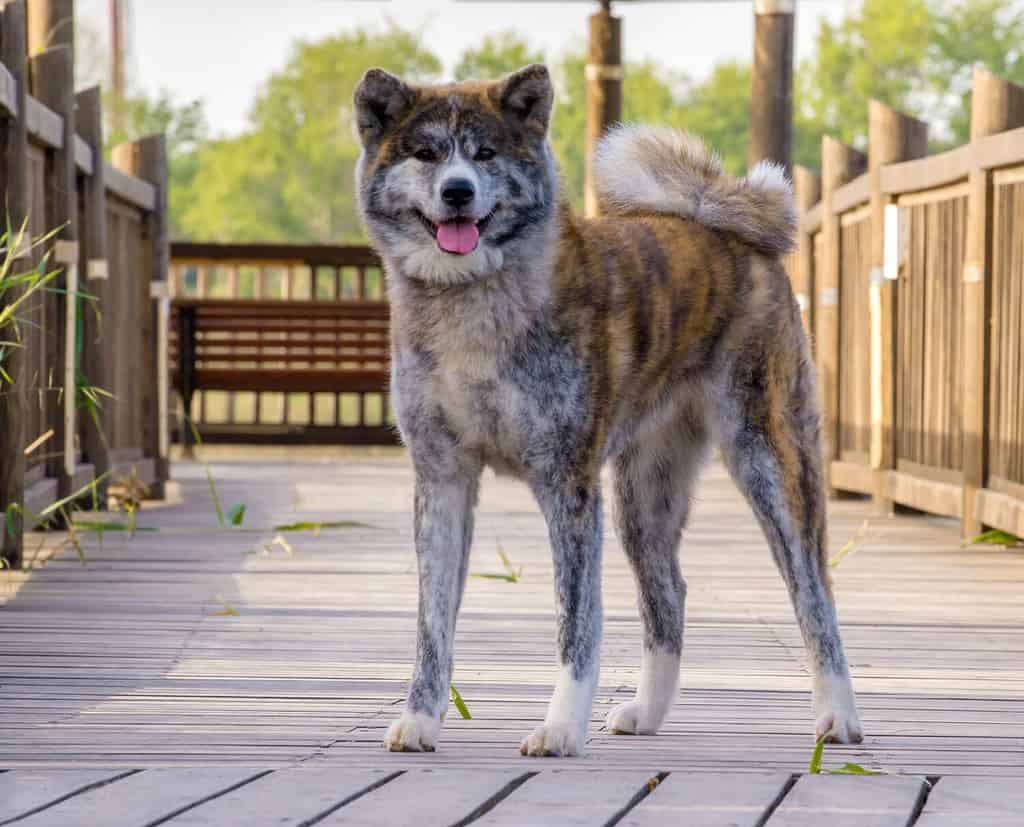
281	343
102	321
911	274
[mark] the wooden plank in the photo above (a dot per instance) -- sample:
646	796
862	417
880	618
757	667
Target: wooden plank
142	798
978	802
708	799
851	194
927	495
44	125
999	510
568	798
294	796
23	791
314	255
420	797
8	93
927	173
129	188
849	801
851	476
83	156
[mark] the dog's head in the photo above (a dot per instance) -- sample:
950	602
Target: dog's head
455	181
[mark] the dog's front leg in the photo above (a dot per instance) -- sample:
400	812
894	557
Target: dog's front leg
443	528
573	513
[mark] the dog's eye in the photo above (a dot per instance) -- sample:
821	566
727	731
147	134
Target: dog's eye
424	154
485	153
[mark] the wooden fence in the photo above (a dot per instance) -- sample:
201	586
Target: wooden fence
283	343
910	270
103	321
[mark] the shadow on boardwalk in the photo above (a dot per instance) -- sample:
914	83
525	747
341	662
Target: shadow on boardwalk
190	646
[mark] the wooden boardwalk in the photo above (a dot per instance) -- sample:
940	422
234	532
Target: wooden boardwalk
185	676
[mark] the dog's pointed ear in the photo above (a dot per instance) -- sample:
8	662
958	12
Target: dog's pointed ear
527	96
380	100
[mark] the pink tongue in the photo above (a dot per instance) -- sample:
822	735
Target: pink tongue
457	237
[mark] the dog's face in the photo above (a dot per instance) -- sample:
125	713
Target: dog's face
455	181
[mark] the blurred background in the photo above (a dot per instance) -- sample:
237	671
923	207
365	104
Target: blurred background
255	97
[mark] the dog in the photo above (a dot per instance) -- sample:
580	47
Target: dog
543	345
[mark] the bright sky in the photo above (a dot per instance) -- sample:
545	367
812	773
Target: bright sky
221	51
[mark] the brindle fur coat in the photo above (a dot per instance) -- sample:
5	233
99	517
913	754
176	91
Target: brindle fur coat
544	345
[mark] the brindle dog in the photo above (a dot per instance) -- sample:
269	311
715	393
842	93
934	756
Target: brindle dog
545	345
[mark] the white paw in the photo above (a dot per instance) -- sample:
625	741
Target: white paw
841	726
632	718
557	740
413	732
835	710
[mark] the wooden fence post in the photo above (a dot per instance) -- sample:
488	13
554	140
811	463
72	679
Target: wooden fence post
53	82
604	90
147	159
93	262
996	106
807	188
839	164
892	136
771	93
14	139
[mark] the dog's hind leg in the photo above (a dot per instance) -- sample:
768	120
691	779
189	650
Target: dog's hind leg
770	438
654	479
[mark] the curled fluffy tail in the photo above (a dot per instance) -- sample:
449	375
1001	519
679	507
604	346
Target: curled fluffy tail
663	170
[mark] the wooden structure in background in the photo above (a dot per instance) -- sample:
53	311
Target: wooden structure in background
771	85
918	305
281	343
55	178
604	76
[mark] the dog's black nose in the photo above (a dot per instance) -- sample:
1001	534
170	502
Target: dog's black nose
457	192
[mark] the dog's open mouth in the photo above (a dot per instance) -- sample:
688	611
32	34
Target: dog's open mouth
459	237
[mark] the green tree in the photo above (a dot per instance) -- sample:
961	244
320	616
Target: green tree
291	176
497	55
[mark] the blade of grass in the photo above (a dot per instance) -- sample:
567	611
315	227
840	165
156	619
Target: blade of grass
237	514
317	527
460	704
814	768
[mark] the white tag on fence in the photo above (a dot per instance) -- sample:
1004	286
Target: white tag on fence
891	257
97	269
829	296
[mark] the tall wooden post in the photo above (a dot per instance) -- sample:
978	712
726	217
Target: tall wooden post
839	164
147	159
771	92
53	84
996	106
604	89
892	137
14	159
93	265
807	189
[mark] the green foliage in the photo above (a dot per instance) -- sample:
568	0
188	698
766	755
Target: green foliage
996	537
497	55
460	704
291	176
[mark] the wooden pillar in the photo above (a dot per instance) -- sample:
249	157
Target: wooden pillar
147	159
807	189
771	86
839	164
96	345
52	83
604	89
51	23
892	137
996	106
14	161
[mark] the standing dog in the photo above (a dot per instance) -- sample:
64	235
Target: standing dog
544	345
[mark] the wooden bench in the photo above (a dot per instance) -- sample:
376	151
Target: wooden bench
285	346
